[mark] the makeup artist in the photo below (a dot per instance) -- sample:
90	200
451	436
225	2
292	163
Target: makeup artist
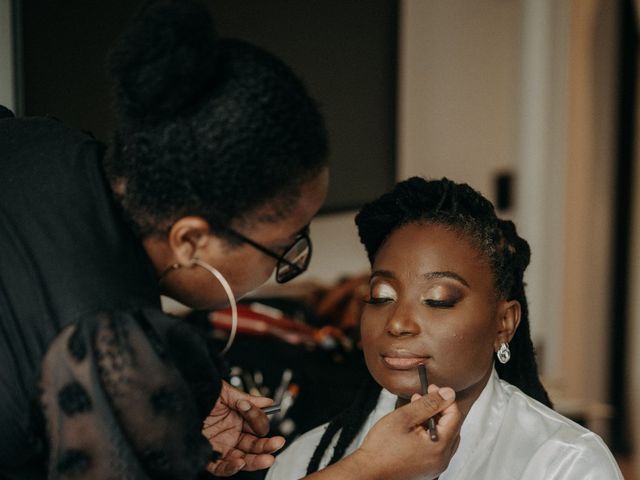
215	169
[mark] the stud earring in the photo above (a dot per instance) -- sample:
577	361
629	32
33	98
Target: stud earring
503	353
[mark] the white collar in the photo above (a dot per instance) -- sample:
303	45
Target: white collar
480	425
478	428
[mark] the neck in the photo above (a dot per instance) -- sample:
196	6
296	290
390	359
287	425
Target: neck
158	252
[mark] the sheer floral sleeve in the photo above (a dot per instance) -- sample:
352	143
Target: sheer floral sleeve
124	396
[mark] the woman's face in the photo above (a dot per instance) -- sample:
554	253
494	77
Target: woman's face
433	302
244	266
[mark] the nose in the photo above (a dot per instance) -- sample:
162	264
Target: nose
403	322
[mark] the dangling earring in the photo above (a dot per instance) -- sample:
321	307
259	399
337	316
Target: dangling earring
503	353
227	290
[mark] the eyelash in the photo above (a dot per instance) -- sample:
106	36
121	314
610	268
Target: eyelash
377	301
441	303
430	303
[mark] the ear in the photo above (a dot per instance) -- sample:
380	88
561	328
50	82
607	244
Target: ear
187	237
509	313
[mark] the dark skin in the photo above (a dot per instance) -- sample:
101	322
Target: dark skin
433	301
236	424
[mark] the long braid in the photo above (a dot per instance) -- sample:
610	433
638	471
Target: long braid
349	422
522	369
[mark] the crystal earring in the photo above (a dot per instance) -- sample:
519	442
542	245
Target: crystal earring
503	353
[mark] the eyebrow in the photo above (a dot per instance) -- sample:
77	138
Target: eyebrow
446	274
297	234
428	276
381	273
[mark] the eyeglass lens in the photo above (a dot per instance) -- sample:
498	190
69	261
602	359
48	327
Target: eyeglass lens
297	260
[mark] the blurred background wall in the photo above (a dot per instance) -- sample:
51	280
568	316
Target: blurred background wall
7	49
532	102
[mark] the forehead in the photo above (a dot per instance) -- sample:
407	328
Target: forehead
286	215
418	248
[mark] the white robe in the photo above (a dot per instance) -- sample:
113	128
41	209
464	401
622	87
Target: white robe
507	435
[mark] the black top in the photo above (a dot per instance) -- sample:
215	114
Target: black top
65	255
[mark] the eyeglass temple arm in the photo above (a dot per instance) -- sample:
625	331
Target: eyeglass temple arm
264	250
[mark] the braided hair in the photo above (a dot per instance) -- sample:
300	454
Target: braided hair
460	207
211	127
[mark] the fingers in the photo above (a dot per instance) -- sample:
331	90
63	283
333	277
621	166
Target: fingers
233	396
254	445
450	420
247	406
226	467
240	459
258	462
255	418
426	406
250	463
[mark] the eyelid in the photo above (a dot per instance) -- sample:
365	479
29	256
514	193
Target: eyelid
382	290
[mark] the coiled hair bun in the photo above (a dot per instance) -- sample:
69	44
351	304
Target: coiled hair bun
164	60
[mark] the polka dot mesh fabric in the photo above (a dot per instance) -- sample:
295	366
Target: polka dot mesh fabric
124	396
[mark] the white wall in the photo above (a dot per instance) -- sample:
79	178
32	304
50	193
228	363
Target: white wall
542	151
458	89
633	354
7	95
337	250
591	123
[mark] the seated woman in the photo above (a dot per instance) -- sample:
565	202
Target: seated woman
446	290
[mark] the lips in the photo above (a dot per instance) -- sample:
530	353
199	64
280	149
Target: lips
402	360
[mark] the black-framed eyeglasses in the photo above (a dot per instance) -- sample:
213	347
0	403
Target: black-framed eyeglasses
293	261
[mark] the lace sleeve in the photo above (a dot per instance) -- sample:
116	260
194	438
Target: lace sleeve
124	396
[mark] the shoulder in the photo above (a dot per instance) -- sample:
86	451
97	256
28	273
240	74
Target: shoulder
558	447
38	148
292	462
544	420
45	129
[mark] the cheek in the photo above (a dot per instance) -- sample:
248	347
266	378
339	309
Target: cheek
249	272
462	354
370	330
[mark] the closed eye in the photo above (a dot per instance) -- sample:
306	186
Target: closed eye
441	303
377	301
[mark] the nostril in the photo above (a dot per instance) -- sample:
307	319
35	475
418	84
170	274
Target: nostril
402	328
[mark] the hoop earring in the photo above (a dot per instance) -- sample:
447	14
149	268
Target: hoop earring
230	296
227	290
503	353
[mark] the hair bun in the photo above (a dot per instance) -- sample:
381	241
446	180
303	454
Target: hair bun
163	60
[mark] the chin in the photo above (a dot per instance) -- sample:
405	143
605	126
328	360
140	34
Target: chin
403	388
189	302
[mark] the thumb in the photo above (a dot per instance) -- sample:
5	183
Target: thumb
421	408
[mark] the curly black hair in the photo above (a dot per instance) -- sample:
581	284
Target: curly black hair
210	127
466	211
